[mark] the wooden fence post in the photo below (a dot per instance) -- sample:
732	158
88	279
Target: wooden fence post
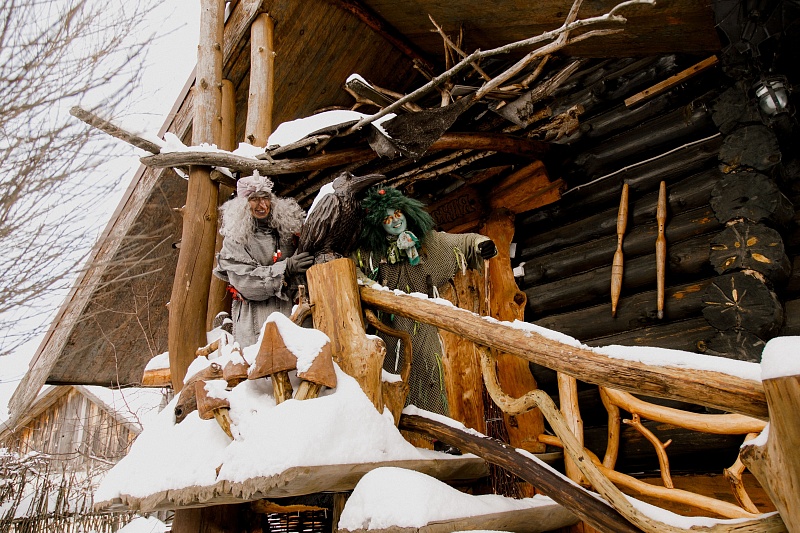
333	292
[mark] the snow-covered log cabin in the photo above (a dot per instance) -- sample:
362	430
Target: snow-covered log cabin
633	163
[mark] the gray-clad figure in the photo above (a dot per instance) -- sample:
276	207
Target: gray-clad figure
258	257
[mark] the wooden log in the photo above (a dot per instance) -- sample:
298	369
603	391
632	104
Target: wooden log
693	158
189	300
525	189
592	510
684	335
735	107
688	122
395	392
507	302
261	97
754	146
687	258
747	246
115	131
776	463
792	322
462	369
713	389
637	311
661	247
595	253
617	263
734	344
672	81
219	299
752	196
187	400
741	300
333	293
621	118
463	141
568	405
690	193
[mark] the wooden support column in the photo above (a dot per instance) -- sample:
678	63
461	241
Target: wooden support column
333	292
776	463
462	368
218	298
189	301
260	97
507	302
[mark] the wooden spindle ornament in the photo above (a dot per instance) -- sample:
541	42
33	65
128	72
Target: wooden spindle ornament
616	267
661	246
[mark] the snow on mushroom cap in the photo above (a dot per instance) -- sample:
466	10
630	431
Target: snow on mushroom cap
304	343
781	358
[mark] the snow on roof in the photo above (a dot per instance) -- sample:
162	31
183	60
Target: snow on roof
390	496
158	362
137	406
140	524
340	427
781	358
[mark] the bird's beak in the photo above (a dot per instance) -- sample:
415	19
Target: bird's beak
361	183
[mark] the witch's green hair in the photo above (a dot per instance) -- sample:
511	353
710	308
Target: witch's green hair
377	201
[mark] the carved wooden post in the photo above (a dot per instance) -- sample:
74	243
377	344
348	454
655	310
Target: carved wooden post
336	302
507	302
189	301
462	369
262	76
218	298
776	463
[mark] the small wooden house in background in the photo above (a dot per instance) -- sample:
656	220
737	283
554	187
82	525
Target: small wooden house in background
59	451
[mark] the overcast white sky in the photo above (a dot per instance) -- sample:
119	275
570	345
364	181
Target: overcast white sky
170	60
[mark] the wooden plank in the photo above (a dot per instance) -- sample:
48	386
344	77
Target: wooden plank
294	481
672	81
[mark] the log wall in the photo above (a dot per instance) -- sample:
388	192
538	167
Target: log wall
726	225
733	236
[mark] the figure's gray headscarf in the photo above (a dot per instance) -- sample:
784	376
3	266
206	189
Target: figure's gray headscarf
250	185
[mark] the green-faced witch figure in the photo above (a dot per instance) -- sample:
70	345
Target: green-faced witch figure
400	249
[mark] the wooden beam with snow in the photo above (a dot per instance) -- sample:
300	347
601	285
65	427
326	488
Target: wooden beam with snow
713	389
112	129
449	141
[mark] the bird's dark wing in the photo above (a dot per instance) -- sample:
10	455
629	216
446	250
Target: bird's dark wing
319	224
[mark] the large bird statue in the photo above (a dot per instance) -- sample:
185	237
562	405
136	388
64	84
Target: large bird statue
333	223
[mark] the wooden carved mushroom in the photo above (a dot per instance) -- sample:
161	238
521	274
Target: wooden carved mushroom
212	402
235	369
319	374
187	401
274	359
